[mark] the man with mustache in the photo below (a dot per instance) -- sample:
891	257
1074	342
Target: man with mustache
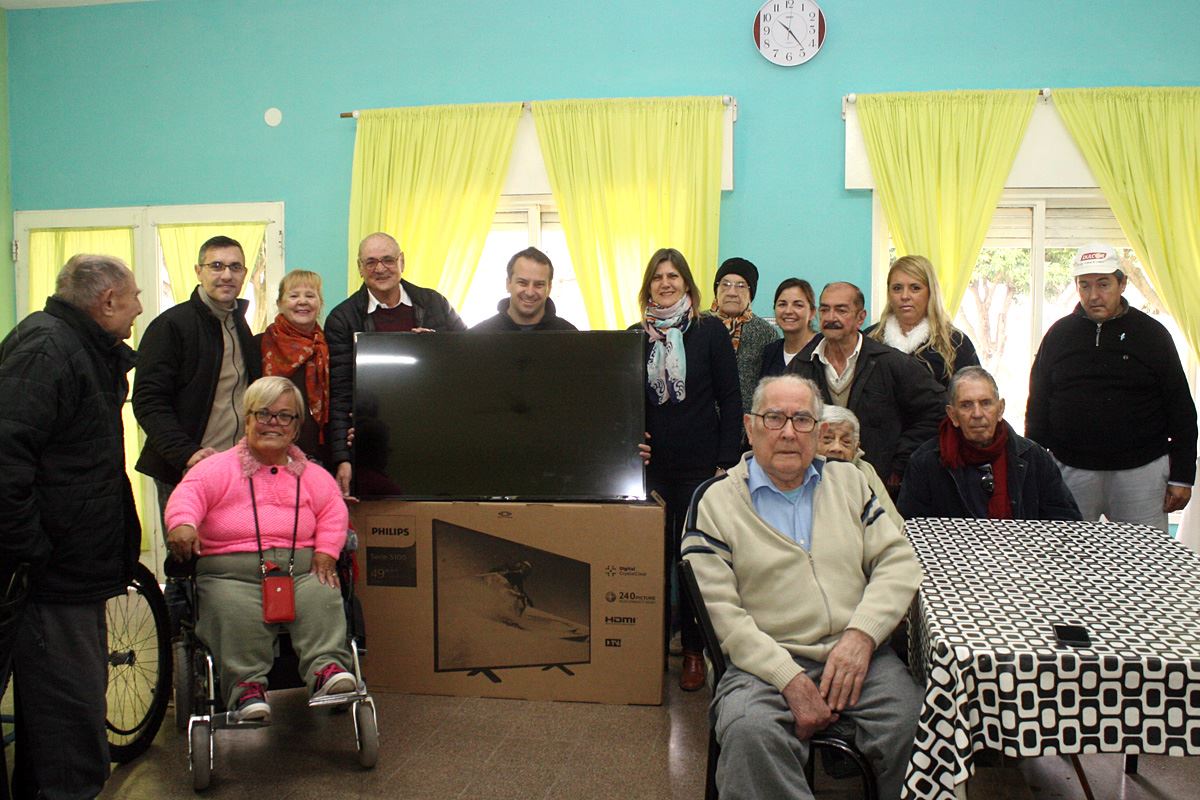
195	361
979	467
896	399
1109	398
804	577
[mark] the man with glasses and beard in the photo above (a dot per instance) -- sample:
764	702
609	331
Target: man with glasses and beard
195	361
383	303
978	466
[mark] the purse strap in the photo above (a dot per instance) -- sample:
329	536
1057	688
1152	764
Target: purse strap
262	561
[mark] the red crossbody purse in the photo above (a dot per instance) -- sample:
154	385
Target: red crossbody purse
278	587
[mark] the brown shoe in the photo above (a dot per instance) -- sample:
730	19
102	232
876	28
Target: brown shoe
692	677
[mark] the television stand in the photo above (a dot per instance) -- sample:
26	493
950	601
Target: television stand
487	673
558	666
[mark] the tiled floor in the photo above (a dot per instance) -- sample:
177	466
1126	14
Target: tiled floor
435	748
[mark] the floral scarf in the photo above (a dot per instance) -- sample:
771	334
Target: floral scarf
733	324
286	349
666	366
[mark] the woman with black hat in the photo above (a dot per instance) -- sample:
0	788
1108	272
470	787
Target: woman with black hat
734	289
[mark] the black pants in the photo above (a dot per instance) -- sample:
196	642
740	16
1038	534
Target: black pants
60	678
676	490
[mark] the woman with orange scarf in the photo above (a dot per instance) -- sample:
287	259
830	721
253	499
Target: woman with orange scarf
293	346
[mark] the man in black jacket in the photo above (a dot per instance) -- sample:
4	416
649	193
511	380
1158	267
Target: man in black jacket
194	364
896	399
979	467
383	303
1109	398
528	306
67	515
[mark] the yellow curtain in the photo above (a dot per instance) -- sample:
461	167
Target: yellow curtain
48	251
1143	146
431	177
630	176
51	248
940	160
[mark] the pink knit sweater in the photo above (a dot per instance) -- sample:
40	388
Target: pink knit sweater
214	496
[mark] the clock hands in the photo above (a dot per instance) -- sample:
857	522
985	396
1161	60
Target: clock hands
783	25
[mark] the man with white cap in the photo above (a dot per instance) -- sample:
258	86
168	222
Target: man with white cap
1108	397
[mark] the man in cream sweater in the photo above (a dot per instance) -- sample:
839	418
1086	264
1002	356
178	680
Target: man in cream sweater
804	576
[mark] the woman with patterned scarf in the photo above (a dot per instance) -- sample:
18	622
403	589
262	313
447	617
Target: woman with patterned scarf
733	292
693	411
293	346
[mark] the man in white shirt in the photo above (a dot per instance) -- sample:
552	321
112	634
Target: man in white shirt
384	303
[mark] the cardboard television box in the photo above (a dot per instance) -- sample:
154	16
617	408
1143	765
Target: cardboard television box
547	601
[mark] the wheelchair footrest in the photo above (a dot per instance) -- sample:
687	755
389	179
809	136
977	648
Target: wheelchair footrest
229	719
338	699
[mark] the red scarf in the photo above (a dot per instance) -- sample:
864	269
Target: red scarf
958	453
286	349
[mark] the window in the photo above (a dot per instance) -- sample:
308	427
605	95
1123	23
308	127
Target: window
1022	283
524	221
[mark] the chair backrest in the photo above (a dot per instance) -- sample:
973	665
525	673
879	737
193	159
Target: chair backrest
711	643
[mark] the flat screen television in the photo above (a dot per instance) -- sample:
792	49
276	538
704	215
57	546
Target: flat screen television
554	415
500	604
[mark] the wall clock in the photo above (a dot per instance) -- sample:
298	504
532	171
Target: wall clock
789	32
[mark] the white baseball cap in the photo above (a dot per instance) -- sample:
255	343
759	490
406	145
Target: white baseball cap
1095	259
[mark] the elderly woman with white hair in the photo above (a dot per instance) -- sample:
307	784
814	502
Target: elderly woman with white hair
261	513
839	441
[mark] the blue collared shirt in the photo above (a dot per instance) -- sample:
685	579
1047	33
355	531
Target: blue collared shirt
790	513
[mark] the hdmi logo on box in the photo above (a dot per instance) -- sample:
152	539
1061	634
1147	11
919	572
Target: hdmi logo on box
620	620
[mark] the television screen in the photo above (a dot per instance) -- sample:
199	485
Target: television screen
498	603
553	415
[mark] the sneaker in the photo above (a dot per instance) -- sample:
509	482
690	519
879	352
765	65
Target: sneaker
676	646
252	704
332	679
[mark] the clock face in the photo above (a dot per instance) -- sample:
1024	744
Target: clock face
789	32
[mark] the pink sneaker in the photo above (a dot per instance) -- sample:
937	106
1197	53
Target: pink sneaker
252	704
332	679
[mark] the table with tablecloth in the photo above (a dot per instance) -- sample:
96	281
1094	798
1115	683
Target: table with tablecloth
983	642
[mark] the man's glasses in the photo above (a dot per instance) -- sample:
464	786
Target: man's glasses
988	480
774	421
266	417
372	263
741	286
217	267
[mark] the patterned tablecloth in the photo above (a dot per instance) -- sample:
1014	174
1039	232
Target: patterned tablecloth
982	639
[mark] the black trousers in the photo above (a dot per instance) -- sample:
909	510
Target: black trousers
676	490
60	679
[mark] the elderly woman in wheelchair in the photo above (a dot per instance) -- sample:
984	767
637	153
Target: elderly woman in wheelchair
267	528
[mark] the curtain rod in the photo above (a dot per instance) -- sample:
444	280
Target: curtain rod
727	99
851	99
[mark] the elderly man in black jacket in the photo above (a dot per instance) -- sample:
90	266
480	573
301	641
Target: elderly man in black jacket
67	518
897	400
978	466
383	303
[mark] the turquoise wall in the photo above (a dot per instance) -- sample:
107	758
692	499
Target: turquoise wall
8	291
162	102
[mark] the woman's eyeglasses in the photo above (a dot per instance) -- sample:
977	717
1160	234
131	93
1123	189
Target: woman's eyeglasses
285	418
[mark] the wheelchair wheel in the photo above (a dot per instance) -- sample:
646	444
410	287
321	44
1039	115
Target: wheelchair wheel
184	679
200	747
367	733
139	666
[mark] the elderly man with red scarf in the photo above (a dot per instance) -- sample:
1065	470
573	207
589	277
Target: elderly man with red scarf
978	466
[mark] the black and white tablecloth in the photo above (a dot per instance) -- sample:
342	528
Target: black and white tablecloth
982	639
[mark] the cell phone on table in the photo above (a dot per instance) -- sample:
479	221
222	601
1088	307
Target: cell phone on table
1072	635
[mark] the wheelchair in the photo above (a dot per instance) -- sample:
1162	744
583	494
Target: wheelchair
139	666
199	708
